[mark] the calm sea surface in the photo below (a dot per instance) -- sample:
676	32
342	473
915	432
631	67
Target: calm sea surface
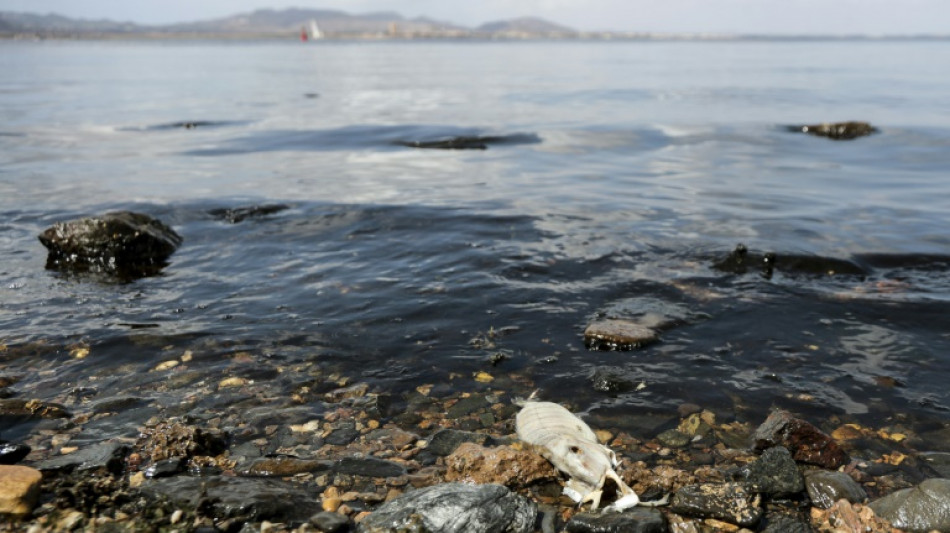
621	173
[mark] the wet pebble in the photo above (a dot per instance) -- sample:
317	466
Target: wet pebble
329	522
727	501
774	474
636	520
826	487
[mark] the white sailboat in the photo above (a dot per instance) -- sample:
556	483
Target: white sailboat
314	30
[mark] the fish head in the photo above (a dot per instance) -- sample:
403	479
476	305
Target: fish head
585	461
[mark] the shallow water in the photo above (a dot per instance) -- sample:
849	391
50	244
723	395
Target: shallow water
617	175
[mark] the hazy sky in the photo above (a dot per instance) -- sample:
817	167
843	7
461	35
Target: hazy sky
745	16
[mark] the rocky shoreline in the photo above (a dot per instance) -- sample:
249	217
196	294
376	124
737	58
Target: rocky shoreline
453	464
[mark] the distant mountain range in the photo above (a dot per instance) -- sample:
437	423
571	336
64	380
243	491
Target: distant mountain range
286	22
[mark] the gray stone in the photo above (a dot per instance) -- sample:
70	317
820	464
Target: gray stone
919	509
327	522
725	501
825	487
784	523
108	456
454	508
247	499
369	467
636	520
774	473
445	441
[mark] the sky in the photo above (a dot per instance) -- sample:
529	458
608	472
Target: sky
871	17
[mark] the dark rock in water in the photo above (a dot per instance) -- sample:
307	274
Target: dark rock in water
369	467
128	245
454	508
807	443
454	143
11	453
343	433
284	467
724	501
327	522
939	461
610	381
825	487
774	473
741	261
445	441
636	520
472	142
838	131
106	456
239	214
673	438
784	523
32	409
467	406
166	467
247	499
618	334
923	508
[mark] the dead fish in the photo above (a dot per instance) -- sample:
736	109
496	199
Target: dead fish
571	446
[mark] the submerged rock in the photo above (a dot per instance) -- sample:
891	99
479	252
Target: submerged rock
923	508
126	244
104	457
827	487
247	499
32	409
454	143
445	441
807	443
741	261
239	214
19	490
618	334
636	520
454	508
838	131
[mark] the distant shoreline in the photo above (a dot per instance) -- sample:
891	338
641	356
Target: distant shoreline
473	37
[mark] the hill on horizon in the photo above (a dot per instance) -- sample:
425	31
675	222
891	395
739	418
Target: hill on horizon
273	21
